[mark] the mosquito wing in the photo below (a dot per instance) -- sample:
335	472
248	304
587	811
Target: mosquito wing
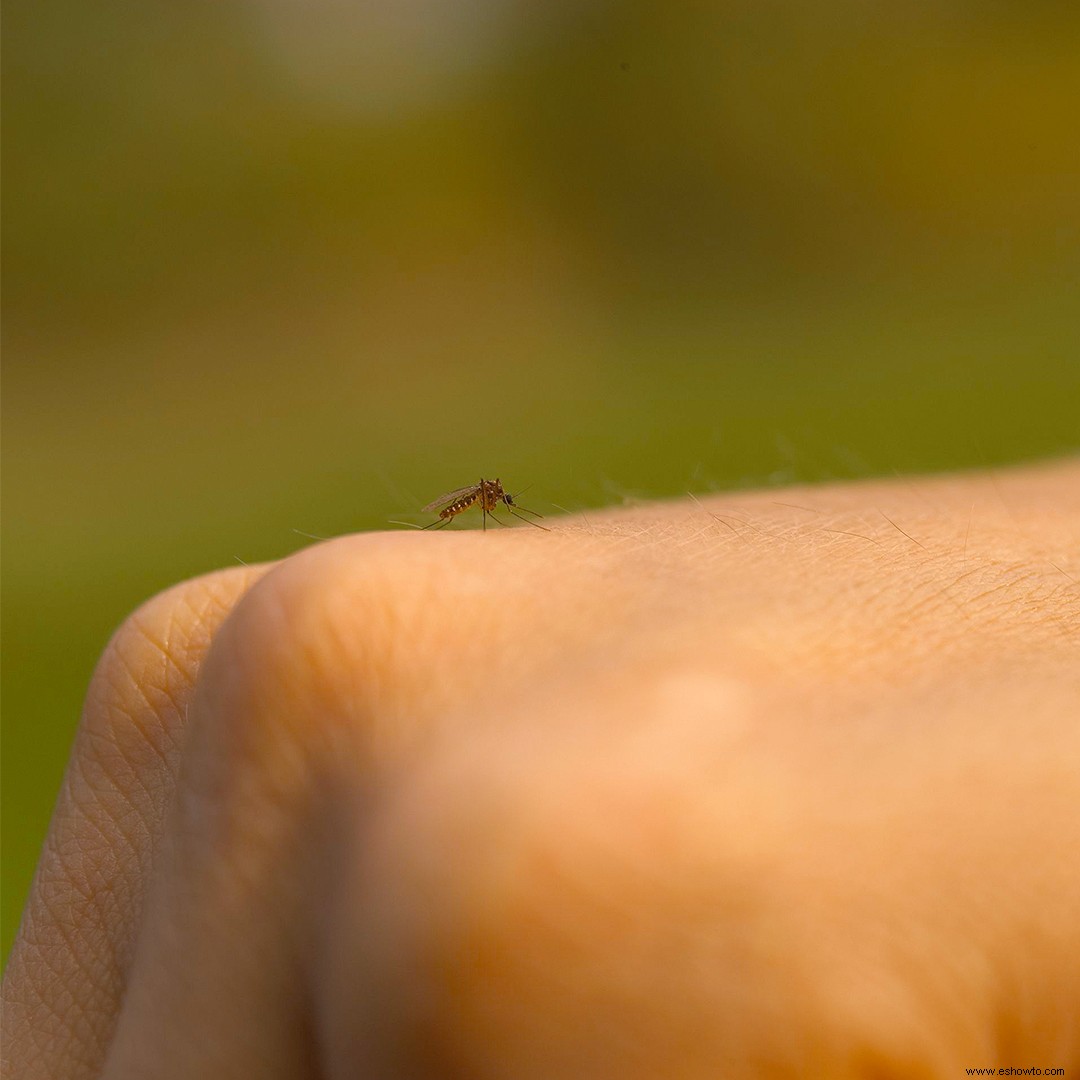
450	497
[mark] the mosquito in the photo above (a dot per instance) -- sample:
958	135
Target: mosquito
487	495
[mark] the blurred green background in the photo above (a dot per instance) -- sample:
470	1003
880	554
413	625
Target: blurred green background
305	264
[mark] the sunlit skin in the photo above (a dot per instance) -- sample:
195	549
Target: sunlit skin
774	784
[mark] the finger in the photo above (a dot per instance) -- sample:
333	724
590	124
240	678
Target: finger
67	969
332	675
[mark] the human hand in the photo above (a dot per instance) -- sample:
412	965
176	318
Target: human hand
775	784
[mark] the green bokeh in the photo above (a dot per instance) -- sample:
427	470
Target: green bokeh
267	273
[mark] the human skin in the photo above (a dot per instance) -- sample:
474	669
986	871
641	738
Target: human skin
773	784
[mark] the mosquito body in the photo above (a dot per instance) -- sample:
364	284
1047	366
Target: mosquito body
488	495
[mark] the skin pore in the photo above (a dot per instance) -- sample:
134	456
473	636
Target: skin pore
767	784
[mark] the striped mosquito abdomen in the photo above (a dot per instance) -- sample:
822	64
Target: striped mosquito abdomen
460	506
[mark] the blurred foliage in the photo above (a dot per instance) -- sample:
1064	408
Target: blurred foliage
276	265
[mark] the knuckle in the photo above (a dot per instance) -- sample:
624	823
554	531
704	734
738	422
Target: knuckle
313	649
138	693
280	724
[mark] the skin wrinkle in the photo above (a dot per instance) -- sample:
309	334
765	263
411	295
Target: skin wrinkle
161	653
125	676
981	614
1012	579
1015	620
126	734
878	604
196	633
45	951
110	783
163	649
81	866
60	976
71	861
925	609
102	803
239	817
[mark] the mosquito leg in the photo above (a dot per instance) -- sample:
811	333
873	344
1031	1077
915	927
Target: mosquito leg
530	521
